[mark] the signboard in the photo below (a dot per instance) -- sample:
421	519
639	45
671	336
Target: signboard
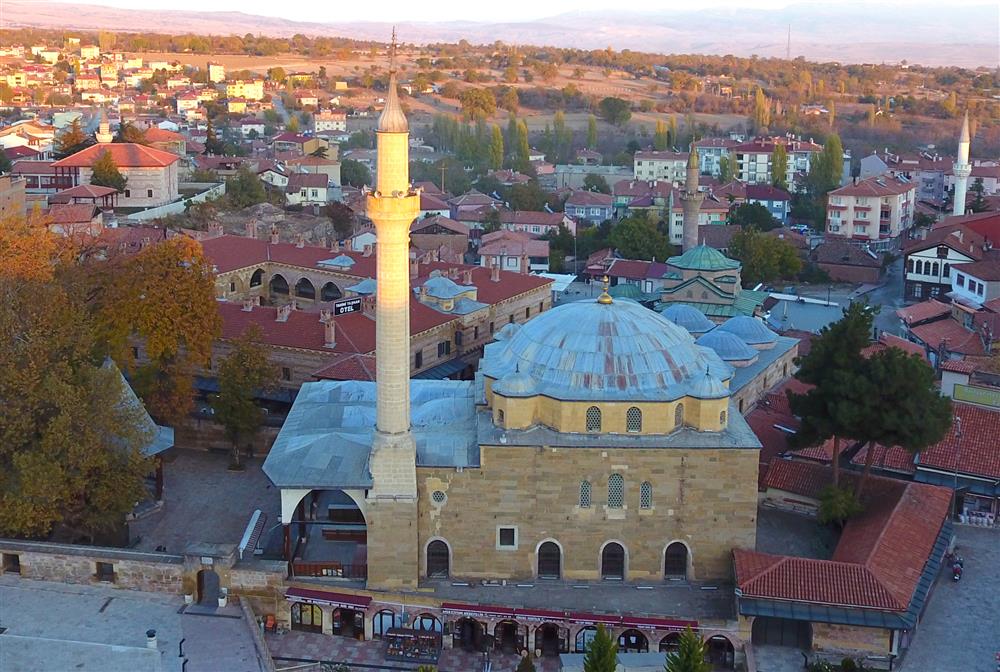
984	396
347	306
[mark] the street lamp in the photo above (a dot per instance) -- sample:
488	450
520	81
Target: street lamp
958	456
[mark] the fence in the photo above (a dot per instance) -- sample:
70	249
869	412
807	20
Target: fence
211	191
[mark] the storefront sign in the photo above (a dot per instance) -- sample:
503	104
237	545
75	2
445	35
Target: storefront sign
658	623
475	610
984	396
595	619
347	306
344	600
539	615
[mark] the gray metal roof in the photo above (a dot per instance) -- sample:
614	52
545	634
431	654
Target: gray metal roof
728	346
366	286
158	438
591	351
688	317
745	374
441	287
326	439
750	329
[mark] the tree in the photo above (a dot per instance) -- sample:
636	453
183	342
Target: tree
827	167
509	100
522	150
213	146
761	110
355	173
243	375
245	189
525	665
689	656
72	139
637	237
596	182
491	221
753	214
129	132
725	170
592	132
292	125
615	111
837	505
979	202
342	218
496	148
661	138
276	74
764	258
602	653
833	368
105	173
779	166
477	103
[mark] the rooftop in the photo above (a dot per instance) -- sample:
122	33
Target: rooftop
125	155
703	258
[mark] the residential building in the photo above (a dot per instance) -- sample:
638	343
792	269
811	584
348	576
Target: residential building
777	201
847	262
514	251
876	211
589	207
307	189
667	166
437	232
711	211
928	261
299	144
39	176
927	171
12	200
710	153
963	328
753	159
646	276
535	223
216	72
329	120
251	90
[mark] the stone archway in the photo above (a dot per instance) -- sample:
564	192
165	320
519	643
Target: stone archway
208	587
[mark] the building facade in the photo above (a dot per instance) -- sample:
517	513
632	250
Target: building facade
875	211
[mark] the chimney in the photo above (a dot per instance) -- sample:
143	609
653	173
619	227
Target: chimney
324	314
467	276
524	264
283	313
414	267
325	241
495	273
300	241
274	235
369	248
251	228
336	246
248	305
329	332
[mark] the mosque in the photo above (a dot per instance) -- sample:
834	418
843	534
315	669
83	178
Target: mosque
600	444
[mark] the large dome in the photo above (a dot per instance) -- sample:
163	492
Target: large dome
592	351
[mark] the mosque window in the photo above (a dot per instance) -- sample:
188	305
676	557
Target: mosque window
439	497
646	495
585	494
722	418
633	420
679	415
616	491
593	419
500	416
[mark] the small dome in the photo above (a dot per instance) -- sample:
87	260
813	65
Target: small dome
507	331
366	287
703	258
343	261
750	330
441	287
728	346
392	119
708	386
516	384
687	317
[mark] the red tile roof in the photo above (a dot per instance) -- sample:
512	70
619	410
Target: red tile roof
72	213
588	198
82	191
419	225
797	476
977	452
157	134
955	337
886	340
635	269
959	366
349	366
894	459
512	243
297	181
959	237
922	312
878	186
125	155
986	224
765	192
986	269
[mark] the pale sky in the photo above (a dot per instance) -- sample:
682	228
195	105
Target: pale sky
442	10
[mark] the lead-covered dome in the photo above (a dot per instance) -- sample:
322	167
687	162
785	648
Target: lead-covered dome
692	319
613	351
728	346
750	330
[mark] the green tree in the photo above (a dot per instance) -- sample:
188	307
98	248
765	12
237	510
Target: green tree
827	167
779	166
213	145
689	656
837	505
978	191
491	221
637	237
277	75
765	258
725	170
243	375
477	103
355	173
72	139
602	653
245	189
496	148
591	132
661	138
522	149
105	173
615	110
761	110
753	214
509	100
596	182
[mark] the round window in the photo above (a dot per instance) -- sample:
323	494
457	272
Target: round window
438	497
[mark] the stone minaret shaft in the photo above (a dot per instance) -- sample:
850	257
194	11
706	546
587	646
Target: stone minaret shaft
691	200
962	169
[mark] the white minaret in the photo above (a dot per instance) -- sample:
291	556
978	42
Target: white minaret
104	134
691	200
962	169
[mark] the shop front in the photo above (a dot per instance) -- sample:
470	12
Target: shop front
412	646
347	612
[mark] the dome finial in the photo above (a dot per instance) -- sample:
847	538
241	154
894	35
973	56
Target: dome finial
605	299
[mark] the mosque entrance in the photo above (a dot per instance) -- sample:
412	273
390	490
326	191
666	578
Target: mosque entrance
208	588
328	537
468	634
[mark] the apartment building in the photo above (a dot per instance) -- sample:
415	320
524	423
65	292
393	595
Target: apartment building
875	211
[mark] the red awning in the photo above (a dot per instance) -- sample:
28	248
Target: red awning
595	619
325	597
475	610
658	623
540	615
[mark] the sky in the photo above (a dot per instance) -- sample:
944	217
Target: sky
440	10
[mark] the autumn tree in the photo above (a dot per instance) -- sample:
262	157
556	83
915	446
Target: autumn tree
761	110
725	170
477	103
615	110
72	139
496	148
592	132
637	237
827	167
689	656
522	149
105	173
779	166
765	258
661	138
244	373
129	132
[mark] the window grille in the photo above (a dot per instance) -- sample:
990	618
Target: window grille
585	494
593	419
616	491
646	495
633	420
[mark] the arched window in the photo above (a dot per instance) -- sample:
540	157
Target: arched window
679	415
329	292
593	419
934	268
675	561
722	418
616	491
670	643
383	621
919	267
549	561
279	285
613	562
909	265
500	416
584	637
437	560
584	494
308	617
305	289
646	495
257	279
633	420
946	271
427	622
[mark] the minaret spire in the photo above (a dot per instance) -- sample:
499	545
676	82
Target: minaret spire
691	200
962	168
393	120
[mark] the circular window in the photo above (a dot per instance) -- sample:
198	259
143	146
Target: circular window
439	497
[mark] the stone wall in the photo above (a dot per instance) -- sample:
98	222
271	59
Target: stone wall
851	638
206	434
746	398
705	498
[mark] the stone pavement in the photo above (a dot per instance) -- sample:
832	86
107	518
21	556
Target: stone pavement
778	659
960	630
113	616
314	646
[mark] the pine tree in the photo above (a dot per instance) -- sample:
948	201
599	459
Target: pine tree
592	132
602	653
496	148
689	656
72	139
105	173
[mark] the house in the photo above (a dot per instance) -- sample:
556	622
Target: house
12	196
660	165
438	231
216	72
151	173
753	159
876	211
168	141
927	171
574	175
647	276
588	157
713	211
509	178
307	189
317	164
710	154
460	206
75	219
534	222
329	120
928	261
589	207
651	196
236	105
39	176
251	90
777	201
514	251
433	204
952	331
846	262
186	102
306	99
297	143
986	173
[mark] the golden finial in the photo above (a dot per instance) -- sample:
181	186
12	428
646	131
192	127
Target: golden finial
605	299
392	52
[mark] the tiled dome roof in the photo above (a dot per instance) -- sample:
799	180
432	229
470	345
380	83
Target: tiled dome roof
727	345
704	258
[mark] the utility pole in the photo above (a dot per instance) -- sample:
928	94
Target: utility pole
444	166
788	45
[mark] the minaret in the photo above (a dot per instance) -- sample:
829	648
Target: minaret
691	200
391	505
962	169
104	134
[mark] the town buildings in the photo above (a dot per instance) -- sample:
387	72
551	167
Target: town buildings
875	211
753	159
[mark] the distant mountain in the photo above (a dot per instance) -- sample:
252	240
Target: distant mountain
851	33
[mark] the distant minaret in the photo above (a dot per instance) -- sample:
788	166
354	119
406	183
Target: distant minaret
962	169
104	134
691	200
788	45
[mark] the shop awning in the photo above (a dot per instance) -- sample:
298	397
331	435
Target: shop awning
442	371
595	619
475	610
540	615
325	597
657	623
